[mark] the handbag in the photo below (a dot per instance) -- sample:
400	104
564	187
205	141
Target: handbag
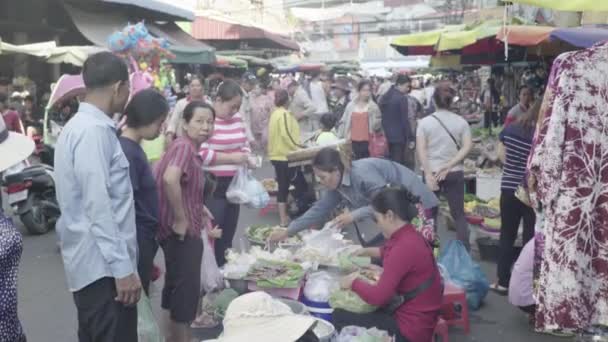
447	130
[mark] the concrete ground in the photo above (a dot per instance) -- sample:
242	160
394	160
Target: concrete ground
47	311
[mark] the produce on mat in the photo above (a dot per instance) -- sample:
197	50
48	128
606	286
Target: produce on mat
259	234
222	300
276	274
493	223
350	301
353	333
349	262
486	211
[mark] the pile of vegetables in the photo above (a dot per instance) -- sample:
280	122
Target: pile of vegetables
258	234
276	274
350	301
348	262
487	212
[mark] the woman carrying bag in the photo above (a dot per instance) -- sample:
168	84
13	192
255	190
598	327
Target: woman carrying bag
443	140
362	119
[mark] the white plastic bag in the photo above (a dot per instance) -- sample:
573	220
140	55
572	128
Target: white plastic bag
245	189
319	286
147	328
211	277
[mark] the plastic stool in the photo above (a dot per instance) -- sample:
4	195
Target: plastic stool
441	330
455	295
267	209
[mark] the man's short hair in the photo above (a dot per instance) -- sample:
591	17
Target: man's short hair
403	79
104	69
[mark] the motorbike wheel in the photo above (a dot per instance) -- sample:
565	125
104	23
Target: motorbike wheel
34	220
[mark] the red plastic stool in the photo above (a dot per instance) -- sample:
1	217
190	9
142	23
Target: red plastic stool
455	295
441	330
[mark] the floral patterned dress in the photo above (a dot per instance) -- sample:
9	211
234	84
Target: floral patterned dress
11	246
569	163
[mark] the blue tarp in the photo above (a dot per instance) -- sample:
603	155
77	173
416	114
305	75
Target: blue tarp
582	37
159	6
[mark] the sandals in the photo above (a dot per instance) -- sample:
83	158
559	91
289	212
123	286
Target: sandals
503	291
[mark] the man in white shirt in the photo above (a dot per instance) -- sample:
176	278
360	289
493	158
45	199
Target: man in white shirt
249	82
318	96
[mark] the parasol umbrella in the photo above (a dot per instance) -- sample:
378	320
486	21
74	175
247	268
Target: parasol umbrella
566	5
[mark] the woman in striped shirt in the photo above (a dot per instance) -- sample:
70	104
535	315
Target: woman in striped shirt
514	150
223	154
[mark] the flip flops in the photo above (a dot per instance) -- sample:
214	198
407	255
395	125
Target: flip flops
503	291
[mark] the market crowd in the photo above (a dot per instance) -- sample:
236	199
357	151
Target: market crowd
374	137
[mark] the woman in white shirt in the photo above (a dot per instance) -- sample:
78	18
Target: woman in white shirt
443	140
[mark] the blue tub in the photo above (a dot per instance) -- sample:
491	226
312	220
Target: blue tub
318	309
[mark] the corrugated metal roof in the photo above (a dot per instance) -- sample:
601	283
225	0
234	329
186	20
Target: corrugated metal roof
159	6
205	28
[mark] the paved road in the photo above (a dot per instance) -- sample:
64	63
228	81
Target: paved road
47	311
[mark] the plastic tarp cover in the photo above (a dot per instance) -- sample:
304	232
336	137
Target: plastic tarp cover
523	35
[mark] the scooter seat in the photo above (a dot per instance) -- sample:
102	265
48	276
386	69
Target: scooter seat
29	172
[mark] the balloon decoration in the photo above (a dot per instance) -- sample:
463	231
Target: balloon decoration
148	58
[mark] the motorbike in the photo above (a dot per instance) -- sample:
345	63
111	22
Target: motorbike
31	194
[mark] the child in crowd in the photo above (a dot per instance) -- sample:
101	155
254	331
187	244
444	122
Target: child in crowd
327	135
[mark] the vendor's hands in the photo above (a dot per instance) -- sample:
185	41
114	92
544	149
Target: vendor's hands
180	227
216	233
374	268
278	234
347	282
343	220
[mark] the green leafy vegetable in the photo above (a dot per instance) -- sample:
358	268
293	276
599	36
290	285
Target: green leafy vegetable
350	301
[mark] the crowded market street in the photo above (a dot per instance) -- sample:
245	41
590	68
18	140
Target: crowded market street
45	301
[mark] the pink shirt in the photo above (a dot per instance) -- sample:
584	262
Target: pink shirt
229	136
408	262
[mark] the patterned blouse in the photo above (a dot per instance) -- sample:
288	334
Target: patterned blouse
11	246
569	163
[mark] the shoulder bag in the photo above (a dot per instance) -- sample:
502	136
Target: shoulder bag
447	130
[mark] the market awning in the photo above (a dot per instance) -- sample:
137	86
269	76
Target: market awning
75	55
582	37
159	6
525	35
97	28
566	5
35	49
455	37
221	29
230	62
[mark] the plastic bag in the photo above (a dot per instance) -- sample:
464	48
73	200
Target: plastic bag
378	145
211	277
319	286
147	328
245	189
465	273
353	333
350	301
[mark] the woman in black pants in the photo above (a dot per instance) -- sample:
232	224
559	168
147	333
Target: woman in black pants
513	150
443	140
145	115
223	154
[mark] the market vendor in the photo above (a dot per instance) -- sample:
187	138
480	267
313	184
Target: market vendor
409	290
356	186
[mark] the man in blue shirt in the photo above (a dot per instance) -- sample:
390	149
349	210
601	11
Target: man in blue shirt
96	230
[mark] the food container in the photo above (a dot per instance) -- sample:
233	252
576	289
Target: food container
238	285
324	330
318	309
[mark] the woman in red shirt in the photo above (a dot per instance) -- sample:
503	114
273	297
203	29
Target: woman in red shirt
410	283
